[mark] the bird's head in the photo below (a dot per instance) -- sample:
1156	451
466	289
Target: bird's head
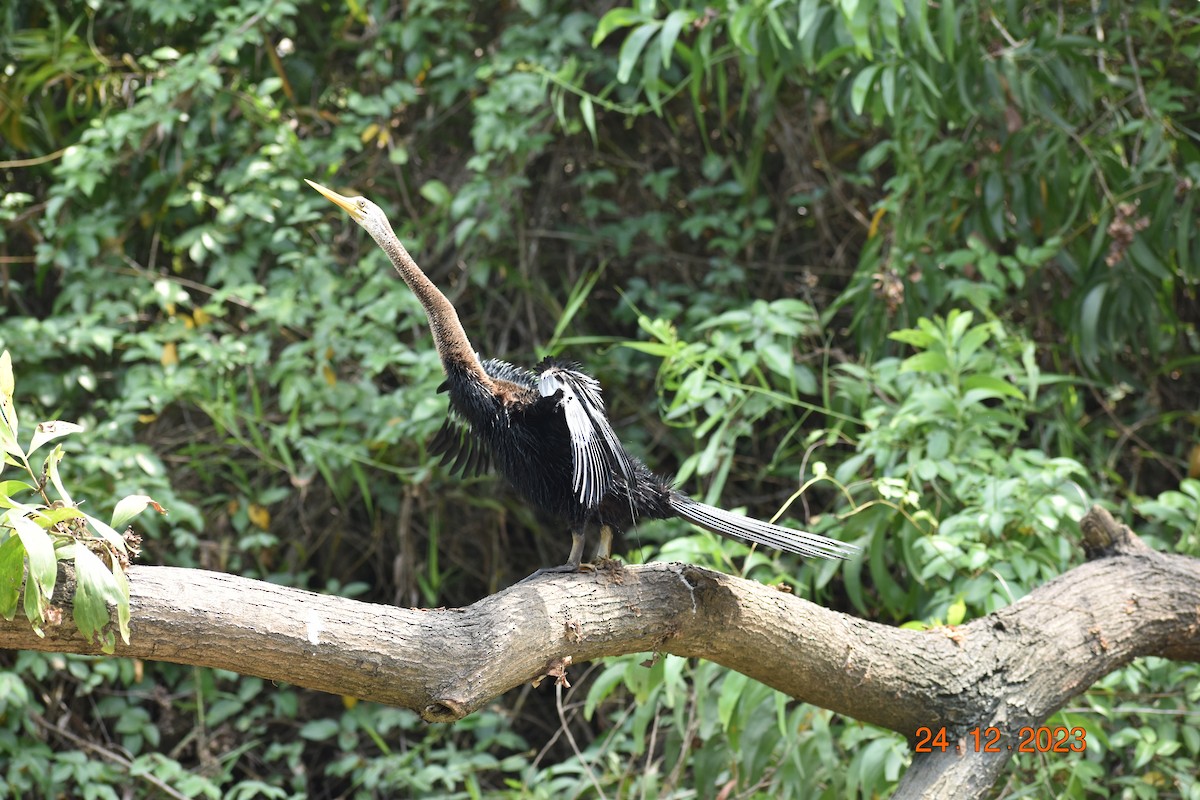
360	209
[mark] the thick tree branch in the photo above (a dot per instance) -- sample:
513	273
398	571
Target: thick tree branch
1010	669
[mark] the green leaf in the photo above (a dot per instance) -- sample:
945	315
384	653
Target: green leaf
129	507
8	412
39	549
12	575
437	193
122	582
7	384
95	590
589	117
48	431
972	341
948	19
917	338
47	517
319	730
860	87
601	688
991	383
8	489
50	467
617	18
957	612
930	361
670	33
731	692
631	49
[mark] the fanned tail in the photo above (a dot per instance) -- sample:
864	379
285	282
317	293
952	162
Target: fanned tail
736	526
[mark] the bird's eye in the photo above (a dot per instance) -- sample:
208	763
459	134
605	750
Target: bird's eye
362	203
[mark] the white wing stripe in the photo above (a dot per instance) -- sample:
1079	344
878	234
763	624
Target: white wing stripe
596	453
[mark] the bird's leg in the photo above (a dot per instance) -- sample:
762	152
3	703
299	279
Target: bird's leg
604	559
604	548
573	561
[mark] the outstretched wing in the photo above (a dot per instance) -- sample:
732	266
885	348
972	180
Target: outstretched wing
459	450
596	453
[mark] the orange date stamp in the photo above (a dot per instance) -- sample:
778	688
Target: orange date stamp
1041	739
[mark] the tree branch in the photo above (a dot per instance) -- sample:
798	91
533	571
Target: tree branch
1010	669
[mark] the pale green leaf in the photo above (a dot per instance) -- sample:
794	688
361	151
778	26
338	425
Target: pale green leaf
916	338
8	489
48	431
671	27
7	384
12	575
957	612
95	590
925	362
617	18
731	691
437	193
39	549
50	467
129	507
588	112
8	433
122	582
860	87
631	49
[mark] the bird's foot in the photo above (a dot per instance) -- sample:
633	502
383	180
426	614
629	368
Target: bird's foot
559	570
608	564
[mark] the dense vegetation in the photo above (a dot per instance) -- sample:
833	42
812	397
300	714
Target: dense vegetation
937	265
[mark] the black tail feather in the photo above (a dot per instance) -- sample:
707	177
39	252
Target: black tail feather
737	526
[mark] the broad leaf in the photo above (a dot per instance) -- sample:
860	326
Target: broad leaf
8	489
95	590
43	567
50	467
12	575
130	507
48	431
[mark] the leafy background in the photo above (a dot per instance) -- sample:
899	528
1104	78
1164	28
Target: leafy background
934	264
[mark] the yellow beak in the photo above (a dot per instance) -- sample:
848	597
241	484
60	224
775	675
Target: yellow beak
342	202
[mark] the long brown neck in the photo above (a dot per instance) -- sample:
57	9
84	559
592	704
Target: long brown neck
448	334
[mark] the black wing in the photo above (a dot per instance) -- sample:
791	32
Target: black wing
596	453
461	451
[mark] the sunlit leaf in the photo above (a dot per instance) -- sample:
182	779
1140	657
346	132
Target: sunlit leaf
129	507
48	431
7	384
957	612
39	549
50	467
931	361
10	488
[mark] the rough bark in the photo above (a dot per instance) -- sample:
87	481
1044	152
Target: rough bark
1010	669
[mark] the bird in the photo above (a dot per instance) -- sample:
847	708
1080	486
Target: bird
547	431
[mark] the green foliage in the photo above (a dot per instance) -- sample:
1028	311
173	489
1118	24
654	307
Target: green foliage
35	536
920	276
